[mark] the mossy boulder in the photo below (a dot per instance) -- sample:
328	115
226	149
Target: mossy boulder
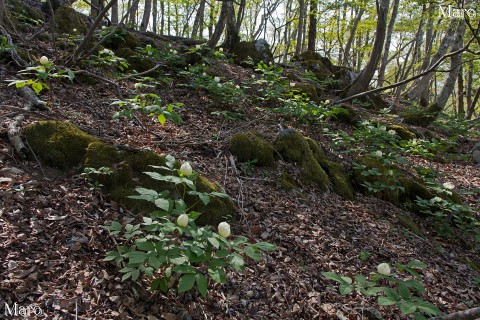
307	55
420	116
121	38
249	54
287	182
345	114
336	172
293	147
403	132
67	19
318	68
370	171
408	223
251	146
411	189
58	143
23	15
62	145
135	61
308	89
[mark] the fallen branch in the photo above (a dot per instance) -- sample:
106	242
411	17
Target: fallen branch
13	53
143	73
470	314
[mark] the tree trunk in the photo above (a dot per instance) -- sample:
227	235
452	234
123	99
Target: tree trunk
146	15
312	26
301	18
198	22
114	16
232	36
419	91
460	90
351	37
133	14
162	19
388	41
455	64
2	11
225	11
363	80
470	83
287	32
471	107
155	16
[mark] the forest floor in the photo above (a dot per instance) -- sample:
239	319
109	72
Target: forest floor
52	243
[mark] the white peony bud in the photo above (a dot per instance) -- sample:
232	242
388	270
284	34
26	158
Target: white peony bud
378	154
219	85
436	199
74	30
327	101
221	49
383	128
216	79
448	185
383	268
186	169
392	132
198	46
44	60
182	220
292	84
138	85
224	229
253	76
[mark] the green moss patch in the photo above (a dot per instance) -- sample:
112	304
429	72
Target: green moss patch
408	223
57	143
67	19
251	146
135	61
293	147
287	182
403	132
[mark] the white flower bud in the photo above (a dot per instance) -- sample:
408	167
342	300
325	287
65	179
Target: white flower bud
44	60
197	46
216	79
138	85
182	220
383	128
224	229
219	85
378	154
448	185
186	169
221	49
383	268
392	132
292	84
74	30
436	199
327	101
253	76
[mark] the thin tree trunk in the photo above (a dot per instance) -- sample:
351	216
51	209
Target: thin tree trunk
198	20
388	41
420	90
2	11
312	26
162	19
471	107
287	32
301	18
220	26
114	14
155	16
455	64
351	37
363	80
146	15
460	89
133	14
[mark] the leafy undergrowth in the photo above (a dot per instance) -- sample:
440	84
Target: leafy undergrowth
52	243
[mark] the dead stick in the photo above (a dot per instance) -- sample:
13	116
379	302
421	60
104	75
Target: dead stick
470	314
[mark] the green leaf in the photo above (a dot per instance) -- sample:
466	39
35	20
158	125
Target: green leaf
217	275
417	264
428	308
407	307
145	245
345	289
161	118
336	277
265	246
186	282
391	294
179	260
416	285
163	204
37	86
252	253
385	301
136	257
214	242
156	262
202	284
237	262
404	292
184	268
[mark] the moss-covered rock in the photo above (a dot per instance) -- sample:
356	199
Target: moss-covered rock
307	55
67	19
251	146
135	61
293	147
63	145
411	189
23	16
249	54
287	182
121	38
420	116
58	143
370	171
309	90
408	223
403	132
320	71
346	114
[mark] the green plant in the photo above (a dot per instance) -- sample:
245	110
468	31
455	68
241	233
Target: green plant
388	182
272	83
91	174
218	89
42	74
149	104
106	58
445	210
364	255
168	247
390	289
